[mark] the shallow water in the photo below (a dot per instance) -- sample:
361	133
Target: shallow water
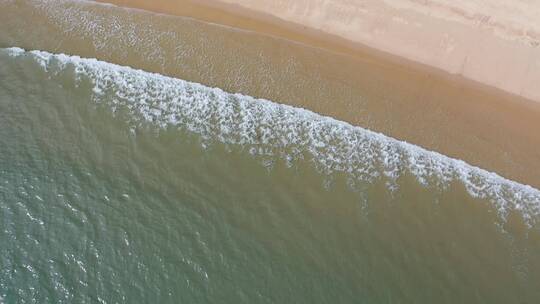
117	185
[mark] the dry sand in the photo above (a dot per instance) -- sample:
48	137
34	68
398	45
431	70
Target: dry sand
494	42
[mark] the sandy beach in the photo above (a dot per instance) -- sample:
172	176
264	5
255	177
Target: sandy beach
496	44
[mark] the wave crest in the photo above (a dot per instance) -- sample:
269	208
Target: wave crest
276	130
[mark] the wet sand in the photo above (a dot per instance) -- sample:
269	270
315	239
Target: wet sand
425	106
494	43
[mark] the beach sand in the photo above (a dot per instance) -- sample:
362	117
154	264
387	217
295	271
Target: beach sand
421	104
495	43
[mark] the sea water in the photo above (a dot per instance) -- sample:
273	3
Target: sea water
119	185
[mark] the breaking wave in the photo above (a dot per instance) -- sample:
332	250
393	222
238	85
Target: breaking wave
279	131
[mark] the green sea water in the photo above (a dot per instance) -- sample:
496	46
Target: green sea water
121	186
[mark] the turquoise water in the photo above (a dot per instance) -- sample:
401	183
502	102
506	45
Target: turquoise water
121	186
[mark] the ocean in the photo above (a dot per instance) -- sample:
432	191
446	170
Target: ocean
120	185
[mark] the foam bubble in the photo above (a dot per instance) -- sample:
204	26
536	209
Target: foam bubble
275	130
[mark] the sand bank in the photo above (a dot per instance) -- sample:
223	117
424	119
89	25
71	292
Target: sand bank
496	43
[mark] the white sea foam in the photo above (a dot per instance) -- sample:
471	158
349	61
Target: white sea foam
280	131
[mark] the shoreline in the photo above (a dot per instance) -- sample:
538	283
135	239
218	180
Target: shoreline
495	121
437	111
